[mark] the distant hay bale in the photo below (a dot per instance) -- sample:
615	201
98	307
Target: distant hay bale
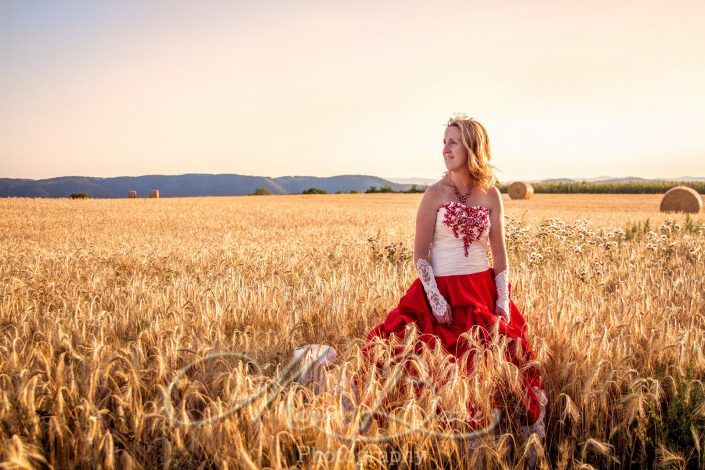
681	199
132	194
154	193
520	190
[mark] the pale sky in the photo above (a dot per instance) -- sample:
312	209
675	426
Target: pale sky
322	88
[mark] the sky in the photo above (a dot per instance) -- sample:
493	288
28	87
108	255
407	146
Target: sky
322	88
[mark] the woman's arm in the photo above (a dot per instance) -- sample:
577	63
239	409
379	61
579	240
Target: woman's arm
425	226
497	243
499	252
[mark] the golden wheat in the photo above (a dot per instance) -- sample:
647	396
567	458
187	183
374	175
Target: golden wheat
120	324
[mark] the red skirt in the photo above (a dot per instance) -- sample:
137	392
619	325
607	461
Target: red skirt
472	300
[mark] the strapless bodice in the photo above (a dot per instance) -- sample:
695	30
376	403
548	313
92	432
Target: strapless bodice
460	239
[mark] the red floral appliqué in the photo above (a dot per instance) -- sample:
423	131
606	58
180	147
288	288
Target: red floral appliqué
470	221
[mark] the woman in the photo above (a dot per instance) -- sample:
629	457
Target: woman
456	289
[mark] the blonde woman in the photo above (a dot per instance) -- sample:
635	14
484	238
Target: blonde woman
459	217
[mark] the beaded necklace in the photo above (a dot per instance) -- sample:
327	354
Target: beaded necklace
461	197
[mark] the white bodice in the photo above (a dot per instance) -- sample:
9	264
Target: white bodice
460	239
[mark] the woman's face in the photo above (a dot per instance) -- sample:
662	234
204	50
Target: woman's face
454	153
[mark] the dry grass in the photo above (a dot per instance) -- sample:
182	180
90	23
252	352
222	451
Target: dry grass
607	211
103	301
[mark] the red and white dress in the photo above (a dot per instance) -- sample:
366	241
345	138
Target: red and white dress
467	282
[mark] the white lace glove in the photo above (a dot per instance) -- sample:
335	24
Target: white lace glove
312	360
439	306
502	282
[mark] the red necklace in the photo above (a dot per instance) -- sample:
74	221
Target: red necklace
461	198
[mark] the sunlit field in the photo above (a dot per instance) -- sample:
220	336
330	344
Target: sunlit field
103	302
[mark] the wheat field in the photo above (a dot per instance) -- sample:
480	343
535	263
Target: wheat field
119	320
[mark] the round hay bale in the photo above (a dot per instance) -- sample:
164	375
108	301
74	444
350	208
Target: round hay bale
154	194
681	199
132	194
520	190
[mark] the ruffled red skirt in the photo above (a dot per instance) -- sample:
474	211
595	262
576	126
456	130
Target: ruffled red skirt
472	299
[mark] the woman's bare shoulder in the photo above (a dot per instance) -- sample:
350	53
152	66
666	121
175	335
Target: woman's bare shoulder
493	199
440	188
433	195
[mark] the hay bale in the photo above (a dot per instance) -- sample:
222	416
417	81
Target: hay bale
132	194
520	190
154	194
681	199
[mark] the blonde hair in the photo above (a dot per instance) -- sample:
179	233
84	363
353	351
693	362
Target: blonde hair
477	143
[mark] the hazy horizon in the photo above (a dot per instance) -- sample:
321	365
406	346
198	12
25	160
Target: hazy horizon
323	89
390	178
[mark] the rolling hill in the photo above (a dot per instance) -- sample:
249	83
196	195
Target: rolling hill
194	184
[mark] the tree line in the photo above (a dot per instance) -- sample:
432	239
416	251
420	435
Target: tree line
571	187
372	189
